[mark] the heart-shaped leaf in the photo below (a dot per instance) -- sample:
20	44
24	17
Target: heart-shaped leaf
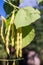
28	35
26	16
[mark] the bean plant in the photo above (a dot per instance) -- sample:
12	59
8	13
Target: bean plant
19	31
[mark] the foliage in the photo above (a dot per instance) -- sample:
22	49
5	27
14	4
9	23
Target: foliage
39	1
8	8
27	16
28	33
19	22
20	3
22	22
24	17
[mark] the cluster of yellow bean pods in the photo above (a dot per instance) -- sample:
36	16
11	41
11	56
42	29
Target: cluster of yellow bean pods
19	43
19	37
8	33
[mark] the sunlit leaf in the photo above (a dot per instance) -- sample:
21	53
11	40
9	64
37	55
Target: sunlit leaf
28	35
26	16
8	21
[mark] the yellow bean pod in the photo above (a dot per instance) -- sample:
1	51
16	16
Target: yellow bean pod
12	37
17	44
2	33
7	63
14	63
7	39
20	45
2	27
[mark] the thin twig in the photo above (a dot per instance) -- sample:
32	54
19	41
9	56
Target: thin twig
12	4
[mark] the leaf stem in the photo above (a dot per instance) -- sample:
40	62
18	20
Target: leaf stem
12	4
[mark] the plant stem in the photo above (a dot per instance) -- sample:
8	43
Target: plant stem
12	5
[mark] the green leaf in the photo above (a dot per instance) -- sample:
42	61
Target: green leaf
8	22
26	16
39	1
21	1
28	35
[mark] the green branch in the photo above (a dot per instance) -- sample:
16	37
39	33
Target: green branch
12	4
